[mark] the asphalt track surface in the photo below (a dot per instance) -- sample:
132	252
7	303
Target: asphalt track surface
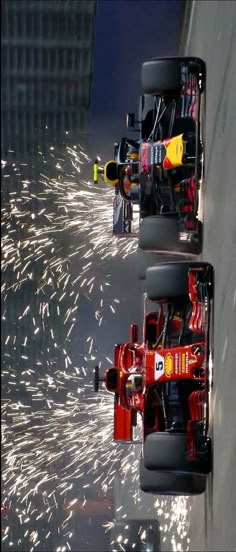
212	36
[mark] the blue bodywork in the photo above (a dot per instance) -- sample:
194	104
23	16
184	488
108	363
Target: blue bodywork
121	216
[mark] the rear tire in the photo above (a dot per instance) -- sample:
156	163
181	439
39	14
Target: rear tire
169	280
162	76
157	482
168	452
161	234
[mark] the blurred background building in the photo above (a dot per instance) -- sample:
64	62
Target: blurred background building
46	70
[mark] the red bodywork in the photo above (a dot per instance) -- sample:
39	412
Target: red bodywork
156	365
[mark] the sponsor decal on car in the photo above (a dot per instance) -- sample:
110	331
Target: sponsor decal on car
121	222
181	363
159	366
169	365
177	363
157	153
144	158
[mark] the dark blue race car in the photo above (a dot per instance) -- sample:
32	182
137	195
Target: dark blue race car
161	169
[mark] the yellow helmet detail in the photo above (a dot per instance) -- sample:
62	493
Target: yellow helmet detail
95	172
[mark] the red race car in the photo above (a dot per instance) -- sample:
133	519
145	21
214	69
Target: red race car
165	378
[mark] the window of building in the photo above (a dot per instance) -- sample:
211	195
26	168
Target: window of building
68	99
67	120
42	120
23	57
11	25
28	58
20	97
36	58
69	58
81	119
72	58
4	96
61	58
58	122
3	56
45	58
52	97
36	25
12	118
28	24
54	26
3	25
20	23
28	121
87	25
78	60
30	96
71	25
35	119
20	59
51	120
75	96
52	54
45	25
78	26
86	60
75	119
61	25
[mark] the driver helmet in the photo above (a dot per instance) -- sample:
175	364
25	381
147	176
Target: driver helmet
130	179
134	383
127	181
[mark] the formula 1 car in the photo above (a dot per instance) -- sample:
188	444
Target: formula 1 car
166	379
161	170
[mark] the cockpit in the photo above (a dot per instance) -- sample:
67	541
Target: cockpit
126	377
123	171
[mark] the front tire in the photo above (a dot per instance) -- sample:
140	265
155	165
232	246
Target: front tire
161	234
170	280
157	482
162	76
168	452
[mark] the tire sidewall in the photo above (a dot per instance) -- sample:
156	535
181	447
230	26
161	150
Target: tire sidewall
168	452
157	482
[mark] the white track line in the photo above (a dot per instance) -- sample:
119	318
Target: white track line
190	26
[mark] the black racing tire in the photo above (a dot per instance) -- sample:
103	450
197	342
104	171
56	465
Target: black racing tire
161	76
168	452
160	233
170	483
169	280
